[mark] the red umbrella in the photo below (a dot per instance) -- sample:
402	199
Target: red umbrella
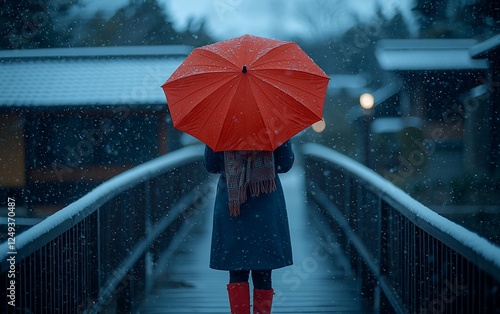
246	93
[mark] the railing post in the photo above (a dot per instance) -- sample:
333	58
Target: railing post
384	256
99	238
378	254
356	203
349	199
368	231
148	259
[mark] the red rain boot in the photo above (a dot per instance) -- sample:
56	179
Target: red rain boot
262	301
239	297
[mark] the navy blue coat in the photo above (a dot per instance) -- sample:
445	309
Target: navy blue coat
259	238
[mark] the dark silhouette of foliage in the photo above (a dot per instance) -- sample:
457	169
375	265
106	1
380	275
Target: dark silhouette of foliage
138	23
34	24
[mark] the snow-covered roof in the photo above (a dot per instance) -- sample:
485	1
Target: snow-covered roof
483	49
87	76
427	54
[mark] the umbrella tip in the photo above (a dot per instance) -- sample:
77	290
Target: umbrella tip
244	69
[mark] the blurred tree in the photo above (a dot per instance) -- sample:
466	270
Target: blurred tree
478	19
138	23
34	24
353	51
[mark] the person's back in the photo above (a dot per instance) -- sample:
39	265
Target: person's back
250	226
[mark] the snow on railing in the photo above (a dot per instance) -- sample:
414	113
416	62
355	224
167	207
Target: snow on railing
52	226
416	211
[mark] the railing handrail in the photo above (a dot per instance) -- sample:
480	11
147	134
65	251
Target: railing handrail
54	225
472	246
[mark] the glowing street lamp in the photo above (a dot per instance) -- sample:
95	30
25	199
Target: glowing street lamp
366	101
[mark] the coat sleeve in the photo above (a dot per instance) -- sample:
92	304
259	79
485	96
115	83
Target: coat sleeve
283	157
213	162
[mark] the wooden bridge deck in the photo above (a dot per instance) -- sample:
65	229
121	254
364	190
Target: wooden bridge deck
316	283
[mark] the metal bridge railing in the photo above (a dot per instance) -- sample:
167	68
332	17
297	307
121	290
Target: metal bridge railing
407	258
98	254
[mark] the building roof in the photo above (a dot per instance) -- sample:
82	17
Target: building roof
87	76
427	54
485	48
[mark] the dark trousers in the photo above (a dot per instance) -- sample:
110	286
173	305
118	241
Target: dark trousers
261	278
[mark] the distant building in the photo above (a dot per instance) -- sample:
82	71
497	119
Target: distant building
448	88
489	115
72	118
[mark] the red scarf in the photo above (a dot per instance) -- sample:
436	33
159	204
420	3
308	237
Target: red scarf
248	169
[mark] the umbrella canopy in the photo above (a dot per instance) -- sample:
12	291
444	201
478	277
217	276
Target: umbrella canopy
246	93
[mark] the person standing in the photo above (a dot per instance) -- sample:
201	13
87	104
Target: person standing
250	235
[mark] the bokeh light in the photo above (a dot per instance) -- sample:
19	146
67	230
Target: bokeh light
366	101
319	126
